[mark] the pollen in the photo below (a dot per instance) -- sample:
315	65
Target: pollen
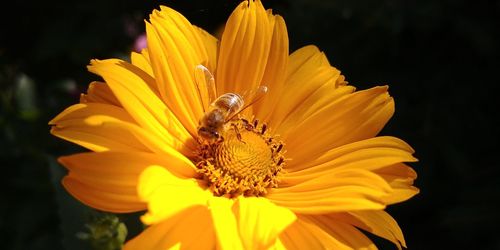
247	160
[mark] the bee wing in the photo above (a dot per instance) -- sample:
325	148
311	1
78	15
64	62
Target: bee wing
251	97
205	84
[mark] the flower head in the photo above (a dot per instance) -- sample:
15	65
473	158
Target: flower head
236	143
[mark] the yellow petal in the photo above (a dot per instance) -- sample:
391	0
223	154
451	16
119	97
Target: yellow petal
244	48
99	127
400	172
84	110
101	196
306	234
275	72
338	190
385	143
108	180
278	245
346	236
78	124
377	222
111	163
353	117
308	70
211	45
260	221
141	61
190	229
175	48
188	31
225	223
370	154
101	93
167	194
128	83
301	236
400	177
320	98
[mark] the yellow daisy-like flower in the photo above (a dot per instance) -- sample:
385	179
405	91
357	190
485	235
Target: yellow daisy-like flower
300	168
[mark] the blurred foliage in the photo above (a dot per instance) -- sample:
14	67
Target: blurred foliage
439	58
104	232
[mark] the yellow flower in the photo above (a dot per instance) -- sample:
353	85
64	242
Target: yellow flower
301	168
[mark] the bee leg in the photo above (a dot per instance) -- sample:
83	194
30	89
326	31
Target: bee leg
220	139
237	131
247	125
263	129
200	141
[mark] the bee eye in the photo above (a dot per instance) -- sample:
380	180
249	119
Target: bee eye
216	134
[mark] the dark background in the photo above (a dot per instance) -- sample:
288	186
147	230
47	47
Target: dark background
439	58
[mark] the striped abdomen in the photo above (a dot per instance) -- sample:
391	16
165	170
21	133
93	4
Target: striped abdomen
229	103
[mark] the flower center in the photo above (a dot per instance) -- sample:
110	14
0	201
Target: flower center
246	161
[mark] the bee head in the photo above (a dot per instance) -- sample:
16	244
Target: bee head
208	134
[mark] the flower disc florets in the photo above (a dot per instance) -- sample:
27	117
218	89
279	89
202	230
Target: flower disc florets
246	161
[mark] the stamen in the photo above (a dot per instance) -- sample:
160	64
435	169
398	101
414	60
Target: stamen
279	148
280	161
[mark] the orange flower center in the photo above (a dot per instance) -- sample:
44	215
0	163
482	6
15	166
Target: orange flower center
246	161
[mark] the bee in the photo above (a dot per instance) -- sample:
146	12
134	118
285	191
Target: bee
219	111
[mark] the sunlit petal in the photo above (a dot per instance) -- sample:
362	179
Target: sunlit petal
157	182
178	232
260	221
357	116
296	166
225	223
175	48
244	48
